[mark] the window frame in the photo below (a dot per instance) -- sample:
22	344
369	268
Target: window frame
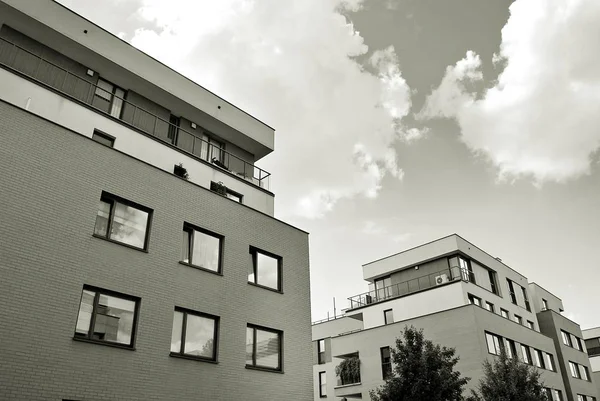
559	396
111	199
518	319
574	368
490	307
525	298
511	348
531	325
493	282
511	291
386	367
101	134
102	291
586	373
496	342
253	252
321	384
190	228
502	310
321	352
385	316
527	357
181	353
539	359
474	300
279	333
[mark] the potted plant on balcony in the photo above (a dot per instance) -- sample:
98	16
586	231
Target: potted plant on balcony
219	163
219	188
349	370
180	171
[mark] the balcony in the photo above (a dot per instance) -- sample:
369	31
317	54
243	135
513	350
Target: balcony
409	287
348	377
81	89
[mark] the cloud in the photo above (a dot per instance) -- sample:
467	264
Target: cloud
293	64
540	118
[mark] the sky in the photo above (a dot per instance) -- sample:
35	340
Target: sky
402	121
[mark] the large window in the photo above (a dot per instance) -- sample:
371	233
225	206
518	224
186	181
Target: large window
527	305
511	349
109	98
107	317
122	221
576	341
539	359
574	370
388	316
386	363
549	362
558	395
382	287
201	248
511	291
593	346
321	351
585	373
566	338
493	282
265	269
263	348
525	350
465	265
323	384
494	343
194	335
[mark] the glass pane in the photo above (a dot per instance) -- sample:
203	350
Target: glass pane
249	345
267	271
104	90
117	104
102	218
85	312
102	139
199	336
185	247
176	332
114	319
267	349
129	225
206	251
234	197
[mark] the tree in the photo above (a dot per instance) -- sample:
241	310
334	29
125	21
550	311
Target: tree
422	371
507	379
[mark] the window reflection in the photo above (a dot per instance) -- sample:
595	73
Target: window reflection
265	270
263	348
194	335
121	222
201	249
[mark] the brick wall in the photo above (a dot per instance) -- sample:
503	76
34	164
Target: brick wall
49	192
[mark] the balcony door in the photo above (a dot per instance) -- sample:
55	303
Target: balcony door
382	289
109	98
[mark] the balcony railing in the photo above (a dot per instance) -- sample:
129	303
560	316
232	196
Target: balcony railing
410	286
15	57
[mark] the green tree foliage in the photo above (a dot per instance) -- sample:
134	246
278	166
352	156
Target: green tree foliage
422	371
507	379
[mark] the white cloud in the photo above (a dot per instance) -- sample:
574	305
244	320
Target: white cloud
292	64
541	117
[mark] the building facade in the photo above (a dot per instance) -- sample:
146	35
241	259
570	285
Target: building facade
463	298
140	257
592	343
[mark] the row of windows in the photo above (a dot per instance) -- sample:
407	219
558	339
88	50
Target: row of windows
553	394
529	355
571	340
474	300
111	318
592	346
579	371
581	397
125	222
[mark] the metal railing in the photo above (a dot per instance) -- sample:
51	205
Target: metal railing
327	319
410	286
17	58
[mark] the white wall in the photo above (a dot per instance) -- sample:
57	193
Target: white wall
45	103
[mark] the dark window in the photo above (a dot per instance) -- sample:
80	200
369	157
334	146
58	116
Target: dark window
518	319
549	361
504	313
103	138
539	359
525	350
574	370
323	384
511	350
490	306
123	221
511	290
265	269
548	393
473	300
527	306
566	337
106	316
494	343
593	346
194	335
228	193
386	363
201	248
321	351
263	348
544	304
388	316
108	98
493	283
531	325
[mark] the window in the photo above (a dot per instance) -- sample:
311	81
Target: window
504	313
212	150
526	354
123	221
382	287
544	304
489	306
110	98
593	346
228	193
558	395
531	325
321	351
511	349
539	359
550	362
511	290
103	138
566	338
386	363
527	305
263	348
107	317
581	397
576	342
473	300
201	248
465	266
493	284
548	393
388	316
585	373
574	370
323	384
194	335
518	319
494	343
265	270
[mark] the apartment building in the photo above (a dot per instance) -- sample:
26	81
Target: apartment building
592	344
461	297
140	258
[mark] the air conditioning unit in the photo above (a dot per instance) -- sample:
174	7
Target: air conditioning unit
441	279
